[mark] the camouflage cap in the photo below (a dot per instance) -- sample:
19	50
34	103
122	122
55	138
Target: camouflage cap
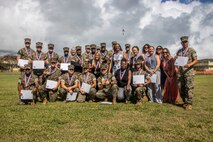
93	46
98	48
27	66
127	45
184	38
66	49
114	42
87	46
50	45
27	40
78	47
39	44
103	44
85	65
104	66
71	67
53	60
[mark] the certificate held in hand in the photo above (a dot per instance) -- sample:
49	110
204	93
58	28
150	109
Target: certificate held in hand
71	97
26	95
85	87
138	79
51	84
22	62
181	61
38	64
64	66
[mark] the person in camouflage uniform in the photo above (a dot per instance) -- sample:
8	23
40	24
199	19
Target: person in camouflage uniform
186	73
129	54
105	57
77	60
39	55
51	54
139	90
27	81
52	73
93	50
69	82
66	58
87	57
107	85
89	78
26	53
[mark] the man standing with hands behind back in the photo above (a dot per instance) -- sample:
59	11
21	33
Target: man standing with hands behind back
186	73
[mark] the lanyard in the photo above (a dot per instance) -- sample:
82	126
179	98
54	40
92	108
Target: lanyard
28	52
122	75
65	59
50	55
139	72
69	79
79	58
85	78
52	71
184	53
26	80
96	66
134	59
38	56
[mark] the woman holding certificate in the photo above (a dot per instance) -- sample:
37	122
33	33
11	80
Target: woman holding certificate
171	88
123	77
140	79
152	65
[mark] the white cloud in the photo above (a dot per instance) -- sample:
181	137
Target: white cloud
80	22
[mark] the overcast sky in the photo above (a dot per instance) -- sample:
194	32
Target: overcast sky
80	22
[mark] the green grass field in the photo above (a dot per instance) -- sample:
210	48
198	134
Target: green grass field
94	122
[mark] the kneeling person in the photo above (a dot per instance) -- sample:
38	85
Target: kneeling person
107	85
27	81
139	89
69	83
88	79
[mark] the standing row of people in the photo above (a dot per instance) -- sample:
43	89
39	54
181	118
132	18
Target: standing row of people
110	74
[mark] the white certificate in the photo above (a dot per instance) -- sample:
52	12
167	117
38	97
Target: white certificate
181	61
153	78
85	87
120	93
138	79
22	62
64	66
26	95
38	64
71	97
51	84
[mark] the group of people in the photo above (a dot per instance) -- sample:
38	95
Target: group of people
115	75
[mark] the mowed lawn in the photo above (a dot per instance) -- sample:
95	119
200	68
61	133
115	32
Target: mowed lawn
95	122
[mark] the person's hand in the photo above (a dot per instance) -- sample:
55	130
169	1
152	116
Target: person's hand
187	66
128	88
55	88
140	85
20	94
107	82
82	92
103	82
70	91
29	61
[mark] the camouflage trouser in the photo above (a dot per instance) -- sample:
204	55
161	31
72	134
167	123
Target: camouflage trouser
63	92
186	87
47	93
140	92
89	96
106	93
